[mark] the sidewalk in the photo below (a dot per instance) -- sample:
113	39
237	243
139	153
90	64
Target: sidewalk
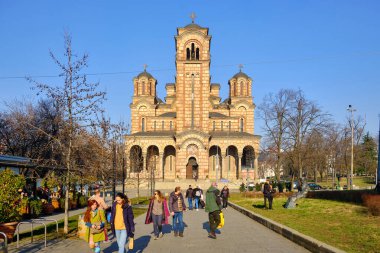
240	234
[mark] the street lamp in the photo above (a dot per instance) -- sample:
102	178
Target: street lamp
352	110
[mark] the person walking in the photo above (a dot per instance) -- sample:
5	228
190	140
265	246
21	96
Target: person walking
225	194
213	207
177	207
94	219
102	206
189	196
197	193
158	213
122	220
267	191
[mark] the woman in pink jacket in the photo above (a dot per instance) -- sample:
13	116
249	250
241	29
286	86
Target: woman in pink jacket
158	213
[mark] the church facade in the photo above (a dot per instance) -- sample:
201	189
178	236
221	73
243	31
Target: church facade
192	134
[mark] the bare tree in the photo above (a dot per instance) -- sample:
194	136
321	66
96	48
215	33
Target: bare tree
77	99
273	111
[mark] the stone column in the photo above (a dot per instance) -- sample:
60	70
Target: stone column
144	161
240	166
256	166
161	158
224	163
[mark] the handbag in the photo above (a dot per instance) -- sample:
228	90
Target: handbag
131	243
95	231
221	224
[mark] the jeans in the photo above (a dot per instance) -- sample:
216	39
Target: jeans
178	217
225	201
157	224
190	200
214	218
121	237
196	202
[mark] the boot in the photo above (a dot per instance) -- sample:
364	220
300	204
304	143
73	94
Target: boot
180	234
175	233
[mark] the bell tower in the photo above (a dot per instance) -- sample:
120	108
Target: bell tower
192	77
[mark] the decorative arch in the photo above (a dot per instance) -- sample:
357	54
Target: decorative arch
193	49
192	140
169	160
152	161
215	162
232	161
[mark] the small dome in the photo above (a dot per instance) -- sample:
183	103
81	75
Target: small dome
241	74
146	74
193	26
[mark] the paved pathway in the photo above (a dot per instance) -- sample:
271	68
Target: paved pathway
240	234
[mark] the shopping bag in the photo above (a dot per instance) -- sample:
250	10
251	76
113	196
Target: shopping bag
131	243
81	228
221	224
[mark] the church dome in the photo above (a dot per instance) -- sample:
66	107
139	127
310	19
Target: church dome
146	74
193	26
241	74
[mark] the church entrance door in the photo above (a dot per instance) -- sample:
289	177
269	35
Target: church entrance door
192	169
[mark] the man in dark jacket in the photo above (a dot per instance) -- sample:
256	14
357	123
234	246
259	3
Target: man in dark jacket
197	193
177	207
189	196
213	207
267	191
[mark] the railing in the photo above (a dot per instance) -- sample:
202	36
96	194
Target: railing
5	247
31	222
44	219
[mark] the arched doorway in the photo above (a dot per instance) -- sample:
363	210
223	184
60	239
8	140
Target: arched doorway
192	168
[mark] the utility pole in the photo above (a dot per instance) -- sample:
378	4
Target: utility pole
352	110
378	163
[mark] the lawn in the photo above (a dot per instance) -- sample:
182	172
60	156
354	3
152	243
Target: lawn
342	225
361	182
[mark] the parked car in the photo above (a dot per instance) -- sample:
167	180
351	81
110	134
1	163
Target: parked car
314	186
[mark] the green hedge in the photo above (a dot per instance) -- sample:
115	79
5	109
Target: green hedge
353	196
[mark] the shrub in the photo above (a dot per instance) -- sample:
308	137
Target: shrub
258	186
83	201
242	187
373	203
35	207
62	203
281	186
353	196
10	204
250	188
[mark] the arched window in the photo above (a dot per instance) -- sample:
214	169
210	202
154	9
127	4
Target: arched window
229	125
171	125
213	125
143	88
154	125
234	88
187	53
221	125
143	125
197	54
241	125
241	89
192	51
162	125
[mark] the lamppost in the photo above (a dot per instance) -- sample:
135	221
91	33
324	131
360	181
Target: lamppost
352	110
378	163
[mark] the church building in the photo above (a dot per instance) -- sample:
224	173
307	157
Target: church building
192	133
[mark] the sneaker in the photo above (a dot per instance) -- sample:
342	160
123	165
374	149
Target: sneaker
108	241
155	238
180	234
197	209
212	235
160	235
175	234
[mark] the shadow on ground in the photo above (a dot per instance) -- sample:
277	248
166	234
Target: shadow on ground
139	245
206	226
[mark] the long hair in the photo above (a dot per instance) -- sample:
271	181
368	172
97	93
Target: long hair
124	199
160	197
87	215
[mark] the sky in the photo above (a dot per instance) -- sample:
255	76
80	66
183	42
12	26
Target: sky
330	49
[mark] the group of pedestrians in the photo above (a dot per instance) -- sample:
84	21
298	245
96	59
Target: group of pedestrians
195	194
159	212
